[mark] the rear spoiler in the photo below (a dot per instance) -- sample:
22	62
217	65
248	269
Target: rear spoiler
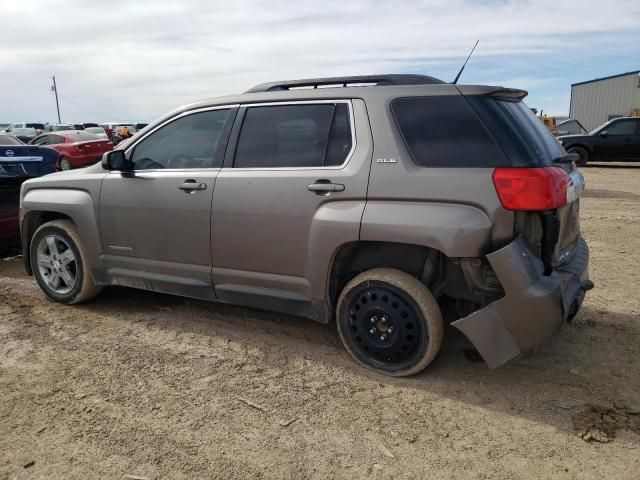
509	94
501	93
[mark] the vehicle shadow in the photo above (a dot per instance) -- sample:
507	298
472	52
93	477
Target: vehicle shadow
612	165
592	361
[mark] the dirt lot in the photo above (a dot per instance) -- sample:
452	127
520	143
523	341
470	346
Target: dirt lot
137	383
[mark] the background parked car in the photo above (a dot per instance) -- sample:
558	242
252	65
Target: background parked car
59	127
24	134
38	126
18	162
89	124
140	126
78	126
76	148
617	140
99	131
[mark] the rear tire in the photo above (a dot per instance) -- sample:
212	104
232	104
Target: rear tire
389	322
583	155
65	163
59	263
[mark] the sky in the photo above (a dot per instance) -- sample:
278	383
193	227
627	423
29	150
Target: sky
136	60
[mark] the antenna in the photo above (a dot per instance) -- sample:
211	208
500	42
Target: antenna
455	80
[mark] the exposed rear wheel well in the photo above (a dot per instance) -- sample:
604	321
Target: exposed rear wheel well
462	285
357	257
29	226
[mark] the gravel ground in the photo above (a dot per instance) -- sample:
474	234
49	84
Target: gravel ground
141	384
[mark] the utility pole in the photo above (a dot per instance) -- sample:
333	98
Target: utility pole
55	90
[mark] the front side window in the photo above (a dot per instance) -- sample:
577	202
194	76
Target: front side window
188	142
621	127
295	136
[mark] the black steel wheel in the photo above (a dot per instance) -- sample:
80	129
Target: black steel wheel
389	322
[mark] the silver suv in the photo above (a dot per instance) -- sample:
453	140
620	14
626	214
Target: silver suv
391	203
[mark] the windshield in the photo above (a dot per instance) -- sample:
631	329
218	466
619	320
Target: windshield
96	130
24	131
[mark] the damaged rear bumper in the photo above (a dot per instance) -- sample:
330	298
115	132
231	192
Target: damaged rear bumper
534	306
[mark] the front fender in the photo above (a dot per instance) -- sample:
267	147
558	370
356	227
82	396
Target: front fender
455	230
75	204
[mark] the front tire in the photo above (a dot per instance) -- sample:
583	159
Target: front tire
583	155
389	322
59	263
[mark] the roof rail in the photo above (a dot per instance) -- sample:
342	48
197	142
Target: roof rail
373	80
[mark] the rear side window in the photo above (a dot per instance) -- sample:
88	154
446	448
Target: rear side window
445	132
38	126
296	136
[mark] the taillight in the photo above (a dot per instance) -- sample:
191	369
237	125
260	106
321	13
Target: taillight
543	188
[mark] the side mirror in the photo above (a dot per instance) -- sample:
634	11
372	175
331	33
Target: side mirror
604	134
115	160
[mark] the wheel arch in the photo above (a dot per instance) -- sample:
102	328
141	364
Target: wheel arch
30	223
43	205
588	148
352	258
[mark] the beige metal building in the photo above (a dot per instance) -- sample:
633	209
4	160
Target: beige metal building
596	101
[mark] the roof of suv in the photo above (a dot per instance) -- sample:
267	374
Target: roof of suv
365	87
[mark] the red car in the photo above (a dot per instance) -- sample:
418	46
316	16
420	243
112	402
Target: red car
76	148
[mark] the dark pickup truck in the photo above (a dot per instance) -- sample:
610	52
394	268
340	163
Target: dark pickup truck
617	140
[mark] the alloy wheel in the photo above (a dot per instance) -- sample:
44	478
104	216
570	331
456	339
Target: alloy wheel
57	264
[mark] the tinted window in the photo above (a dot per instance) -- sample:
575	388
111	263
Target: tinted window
445	132
522	136
621	127
9	140
38	126
188	142
311	135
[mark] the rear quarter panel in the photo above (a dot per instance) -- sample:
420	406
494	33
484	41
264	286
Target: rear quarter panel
455	210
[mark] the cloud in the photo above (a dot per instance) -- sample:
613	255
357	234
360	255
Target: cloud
137	60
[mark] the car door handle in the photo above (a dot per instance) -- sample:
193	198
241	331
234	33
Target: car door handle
323	186
192	185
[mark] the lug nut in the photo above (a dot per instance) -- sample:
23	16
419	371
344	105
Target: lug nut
390	330
372	331
374	319
383	337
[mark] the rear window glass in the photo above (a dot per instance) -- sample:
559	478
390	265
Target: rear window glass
521	134
9	140
38	126
445	132
83	137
